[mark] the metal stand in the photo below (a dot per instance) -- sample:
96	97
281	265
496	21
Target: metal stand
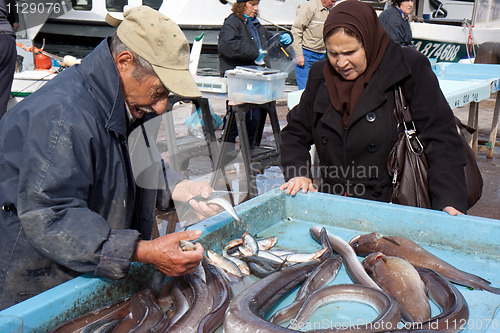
182	149
255	158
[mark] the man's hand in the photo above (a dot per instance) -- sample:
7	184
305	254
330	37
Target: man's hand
166	254
188	189
299	60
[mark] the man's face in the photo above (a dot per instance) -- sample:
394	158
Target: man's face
328	4
143	95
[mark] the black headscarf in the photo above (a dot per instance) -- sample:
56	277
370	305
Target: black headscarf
362	20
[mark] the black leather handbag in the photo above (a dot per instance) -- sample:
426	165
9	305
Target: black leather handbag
408	166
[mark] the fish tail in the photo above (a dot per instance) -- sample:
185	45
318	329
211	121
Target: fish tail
491	289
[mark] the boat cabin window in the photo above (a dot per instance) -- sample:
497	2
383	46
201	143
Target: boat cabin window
115	5
155	4
81	4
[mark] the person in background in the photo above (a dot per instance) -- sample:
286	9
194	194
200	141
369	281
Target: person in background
395	21
347	109
9	23
69	203
242	42
307	31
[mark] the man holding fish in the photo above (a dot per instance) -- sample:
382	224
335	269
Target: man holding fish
70	204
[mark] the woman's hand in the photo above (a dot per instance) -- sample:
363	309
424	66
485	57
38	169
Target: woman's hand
452	211
294	185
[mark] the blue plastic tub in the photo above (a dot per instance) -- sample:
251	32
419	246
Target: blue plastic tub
470	243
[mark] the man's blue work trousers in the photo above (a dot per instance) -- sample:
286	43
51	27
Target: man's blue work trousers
301	72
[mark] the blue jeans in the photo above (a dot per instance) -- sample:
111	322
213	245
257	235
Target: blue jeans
301	73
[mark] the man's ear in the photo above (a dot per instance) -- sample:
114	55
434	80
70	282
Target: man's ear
124	61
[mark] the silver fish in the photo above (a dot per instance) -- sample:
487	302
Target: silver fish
250	243
186	245
224	263
240	263
267	243
227	207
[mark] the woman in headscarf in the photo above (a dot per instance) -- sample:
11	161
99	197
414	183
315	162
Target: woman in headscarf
347	108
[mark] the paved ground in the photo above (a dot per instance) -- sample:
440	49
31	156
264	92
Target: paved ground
489	204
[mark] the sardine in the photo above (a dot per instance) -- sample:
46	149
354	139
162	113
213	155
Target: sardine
250	243
303	257
388	311
418	257
398	278
353	265
240	263
227	207
455	311
267	243
224	263
186	245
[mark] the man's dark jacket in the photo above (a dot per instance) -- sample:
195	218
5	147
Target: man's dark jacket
67	192
237	46
355	159
396	26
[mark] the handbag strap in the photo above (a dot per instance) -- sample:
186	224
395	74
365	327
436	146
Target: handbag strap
403	116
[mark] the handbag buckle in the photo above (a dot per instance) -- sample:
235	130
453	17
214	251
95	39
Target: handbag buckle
415	144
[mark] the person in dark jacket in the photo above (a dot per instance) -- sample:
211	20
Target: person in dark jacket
9	22
242	42
68	197
347	108
395	21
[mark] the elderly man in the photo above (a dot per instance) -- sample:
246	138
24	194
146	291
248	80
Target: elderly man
395	20
69	203
307	31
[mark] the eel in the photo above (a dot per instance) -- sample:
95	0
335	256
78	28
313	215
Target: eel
200	307
245	312
222	296
388	310
320	277
418	257
398	278
353	265
454	314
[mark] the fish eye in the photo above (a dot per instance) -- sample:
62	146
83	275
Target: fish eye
355	244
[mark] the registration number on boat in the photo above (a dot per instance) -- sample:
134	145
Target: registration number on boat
449	52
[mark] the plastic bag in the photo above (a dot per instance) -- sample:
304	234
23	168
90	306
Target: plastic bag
195	122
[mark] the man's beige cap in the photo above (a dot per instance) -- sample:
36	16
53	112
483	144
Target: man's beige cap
160	41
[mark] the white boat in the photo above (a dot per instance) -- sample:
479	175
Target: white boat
453	30
86	18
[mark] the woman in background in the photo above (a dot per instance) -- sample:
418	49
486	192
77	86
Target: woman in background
347	108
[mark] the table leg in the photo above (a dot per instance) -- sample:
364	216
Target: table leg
473	122
494	128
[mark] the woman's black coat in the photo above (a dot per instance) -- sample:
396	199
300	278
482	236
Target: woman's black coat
237	46
353	160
